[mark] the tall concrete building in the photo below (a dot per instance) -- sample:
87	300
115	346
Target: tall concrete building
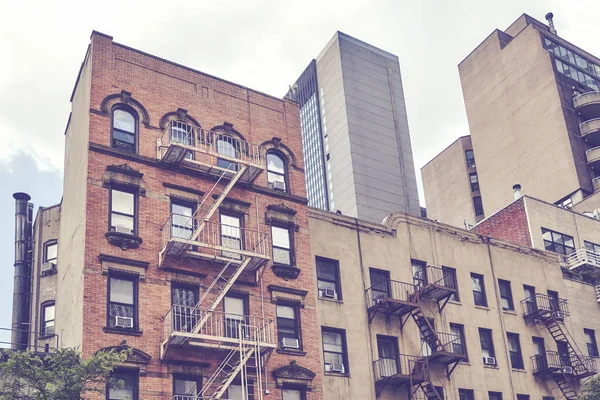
355	135
532	103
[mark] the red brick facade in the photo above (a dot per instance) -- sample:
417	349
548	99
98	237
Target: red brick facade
509	224
154	88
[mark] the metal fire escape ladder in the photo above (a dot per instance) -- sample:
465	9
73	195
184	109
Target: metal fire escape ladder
565	386
425	386
427	331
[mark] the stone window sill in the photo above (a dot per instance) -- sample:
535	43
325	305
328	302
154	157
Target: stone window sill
127	332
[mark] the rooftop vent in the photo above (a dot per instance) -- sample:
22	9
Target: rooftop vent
517	191
549	18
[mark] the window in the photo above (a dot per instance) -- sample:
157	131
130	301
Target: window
182	221
50	251
235	392
328	278
183	133
495	395
554	300
540	362
122	211
478	206
419	271
47	327
470	156
592	247
487	346
231	235
506	298
380	283
276	173
466	394
122	302
459	344
522	397
514	349
590	342
288	327
123	385
227	146
186	386
236	309
123	130
478	290
529	303
474	182
387	349
557	242
282	253
334	350
293	394
183	299
450	281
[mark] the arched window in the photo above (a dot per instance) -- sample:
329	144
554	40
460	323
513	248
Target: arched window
276	173
123	130
227	146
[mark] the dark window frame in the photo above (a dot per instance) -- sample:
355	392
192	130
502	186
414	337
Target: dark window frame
285	173
187	377
474	185
135	215
483	342
452	272
135	134
466	394
297	325
291	250
336	271
516	357
134	373
384	282
478	206
49	243
505	290
246	305
463	338
241	217
553	245
593	351
43	307
342	333
183	203
482	302
494	395
301	389
591	246
470	156
126	277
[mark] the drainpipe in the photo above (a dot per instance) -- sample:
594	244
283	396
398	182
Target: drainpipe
22	283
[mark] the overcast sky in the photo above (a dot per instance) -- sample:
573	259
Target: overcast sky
261	44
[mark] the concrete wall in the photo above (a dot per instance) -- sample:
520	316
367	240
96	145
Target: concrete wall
516	120
446	185
391	248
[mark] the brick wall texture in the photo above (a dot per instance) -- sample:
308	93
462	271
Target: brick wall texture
509	224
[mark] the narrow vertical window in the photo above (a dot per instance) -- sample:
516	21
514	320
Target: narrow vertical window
282	251
182	221
514	349
227	146
123	130
235	309
122	385
470	158
276	172
474	180
590	341
186	387
506	295
231	235
450	281
122	212
487	347
47	328
478	290
478	206
328	278
288	327
459	343
334	350
122	303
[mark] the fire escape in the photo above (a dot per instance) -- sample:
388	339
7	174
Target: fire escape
566	366
246	339
405	301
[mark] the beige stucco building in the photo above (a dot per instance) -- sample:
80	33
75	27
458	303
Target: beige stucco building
451	185
505	274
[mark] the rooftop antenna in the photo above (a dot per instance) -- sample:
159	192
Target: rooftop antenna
549	18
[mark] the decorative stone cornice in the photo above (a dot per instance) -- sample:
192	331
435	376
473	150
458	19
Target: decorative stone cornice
293	375
123	240
285	271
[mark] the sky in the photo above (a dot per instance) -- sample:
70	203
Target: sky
261	44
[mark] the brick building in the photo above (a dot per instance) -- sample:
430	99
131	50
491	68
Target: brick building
174	184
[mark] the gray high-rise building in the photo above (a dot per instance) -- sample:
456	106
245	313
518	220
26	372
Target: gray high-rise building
357	152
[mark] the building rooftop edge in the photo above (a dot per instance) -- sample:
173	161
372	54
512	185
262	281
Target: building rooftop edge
446	148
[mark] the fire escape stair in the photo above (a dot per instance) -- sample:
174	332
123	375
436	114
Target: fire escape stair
430	392
565	386
227	372
427	332
559	335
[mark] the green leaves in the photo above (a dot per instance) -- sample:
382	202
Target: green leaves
61	375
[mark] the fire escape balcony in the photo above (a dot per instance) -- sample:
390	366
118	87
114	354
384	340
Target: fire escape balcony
583	261
399	370
391	298
451	351
552	363
435	284
588	105
590	131
209	152
541	307
186	326
214	242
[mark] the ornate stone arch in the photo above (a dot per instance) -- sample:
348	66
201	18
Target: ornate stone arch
281	149
293	375
227	128
136	358
179	115
124	98
392	220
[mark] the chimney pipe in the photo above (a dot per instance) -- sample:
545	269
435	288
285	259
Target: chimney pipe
517	191
22	285
549	18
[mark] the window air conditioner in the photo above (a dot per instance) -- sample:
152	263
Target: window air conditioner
290	343
122	229
337	367
329	293
49	267
124	322
567	370
277	185
489	360
558	314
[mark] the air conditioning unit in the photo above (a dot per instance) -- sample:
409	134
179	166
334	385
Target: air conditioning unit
124	322
558	315
337	367
567	370
489	360
290	343
122	229
49	267
380	297
277	185
329	293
